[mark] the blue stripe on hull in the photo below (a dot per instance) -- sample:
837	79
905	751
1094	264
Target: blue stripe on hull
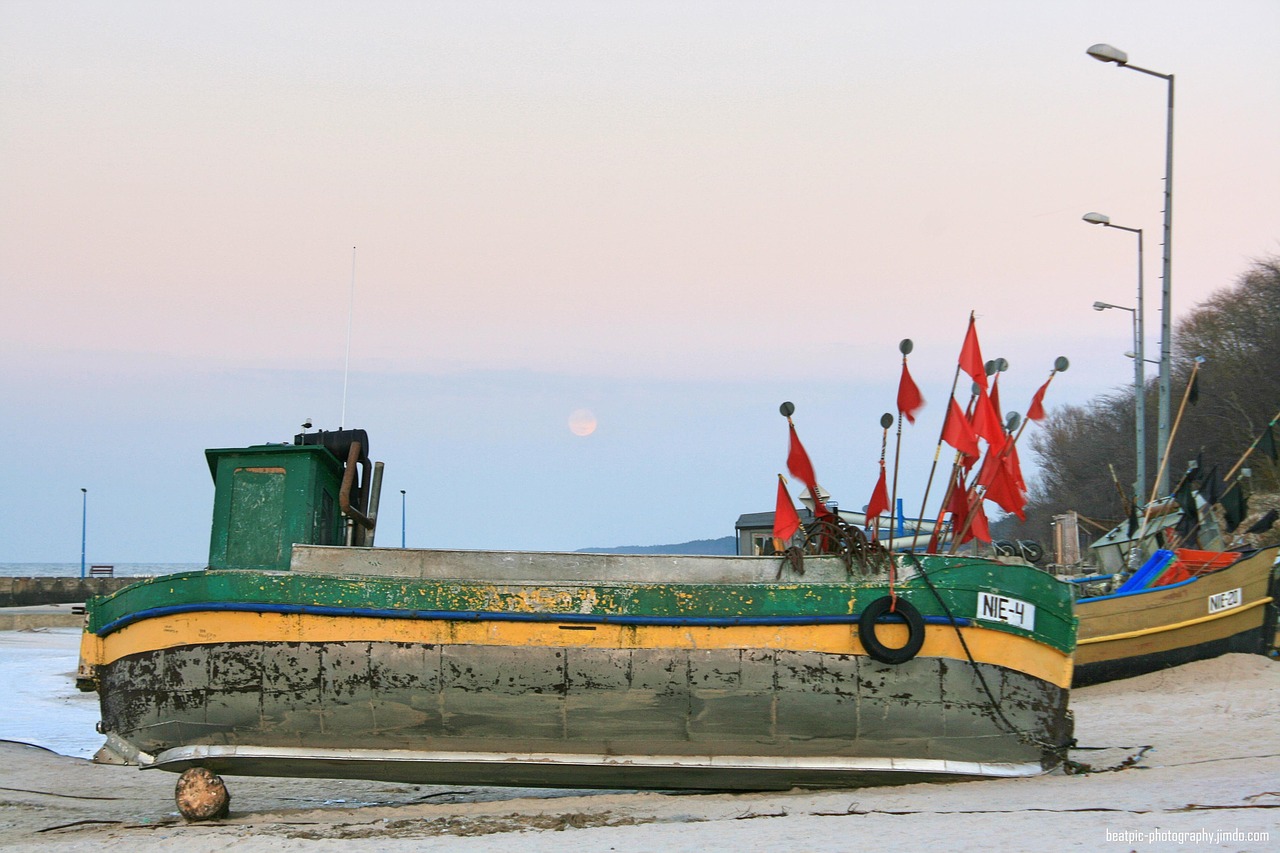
508	616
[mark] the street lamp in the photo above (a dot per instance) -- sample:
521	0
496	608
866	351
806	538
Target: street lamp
1139	405
1107	53
1139	368
402	518
84	525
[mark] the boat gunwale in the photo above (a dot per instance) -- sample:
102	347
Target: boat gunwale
1051	597
1208	576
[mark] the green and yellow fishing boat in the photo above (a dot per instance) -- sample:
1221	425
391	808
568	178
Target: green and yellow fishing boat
298	654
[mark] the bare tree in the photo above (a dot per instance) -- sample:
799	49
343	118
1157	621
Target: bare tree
1237	332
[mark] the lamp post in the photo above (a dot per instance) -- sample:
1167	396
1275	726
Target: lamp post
84	525
1107	53
1139	363
1139	404
402	518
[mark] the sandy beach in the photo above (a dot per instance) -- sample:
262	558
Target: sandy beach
1188	758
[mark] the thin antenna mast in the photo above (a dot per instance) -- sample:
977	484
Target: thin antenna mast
346	368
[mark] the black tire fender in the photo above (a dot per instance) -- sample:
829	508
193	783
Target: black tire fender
878	650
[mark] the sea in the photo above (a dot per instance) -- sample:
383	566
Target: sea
72	570
42	705
38	666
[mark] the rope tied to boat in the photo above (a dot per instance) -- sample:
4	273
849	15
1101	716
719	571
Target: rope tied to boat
1082	768
1061	751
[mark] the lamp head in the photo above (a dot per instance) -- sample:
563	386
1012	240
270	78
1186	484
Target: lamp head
1097	219
1100	306
1107	53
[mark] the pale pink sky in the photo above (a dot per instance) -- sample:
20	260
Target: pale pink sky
676	215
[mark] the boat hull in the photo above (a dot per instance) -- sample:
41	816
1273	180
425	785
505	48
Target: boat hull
738	711
568	695
1229	610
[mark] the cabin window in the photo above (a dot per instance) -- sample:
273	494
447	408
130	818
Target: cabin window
326	531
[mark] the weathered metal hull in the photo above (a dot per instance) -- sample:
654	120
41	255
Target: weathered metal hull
742	718
1229	610
652	684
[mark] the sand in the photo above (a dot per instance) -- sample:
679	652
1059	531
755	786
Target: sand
1184	759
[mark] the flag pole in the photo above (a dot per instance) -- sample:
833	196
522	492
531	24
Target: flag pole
971	491
886	421
1060	365
1164	462
1115	481
1252	447
937	538
937	452
1164	459
904	346
956	467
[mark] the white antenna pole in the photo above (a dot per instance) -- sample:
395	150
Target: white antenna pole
346	369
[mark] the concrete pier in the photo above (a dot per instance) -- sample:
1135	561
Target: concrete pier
34	591
41	616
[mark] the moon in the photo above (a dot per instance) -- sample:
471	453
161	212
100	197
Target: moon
582	422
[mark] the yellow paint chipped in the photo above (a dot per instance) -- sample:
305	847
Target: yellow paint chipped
987	645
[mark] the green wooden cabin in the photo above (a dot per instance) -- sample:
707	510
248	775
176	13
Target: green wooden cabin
268	497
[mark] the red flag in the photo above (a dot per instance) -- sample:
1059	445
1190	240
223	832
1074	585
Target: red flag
978	527
1036	411
802	469
971	356
957	432
958	502
1002	476
786	521
879	500
909	399
986	422
1015	469
958	506
995	398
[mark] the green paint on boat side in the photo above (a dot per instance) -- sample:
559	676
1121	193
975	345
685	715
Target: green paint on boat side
957	580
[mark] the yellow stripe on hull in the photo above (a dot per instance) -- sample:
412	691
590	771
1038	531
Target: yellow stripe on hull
1159	629
986	646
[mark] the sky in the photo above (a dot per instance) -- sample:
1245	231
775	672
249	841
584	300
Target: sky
456	225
